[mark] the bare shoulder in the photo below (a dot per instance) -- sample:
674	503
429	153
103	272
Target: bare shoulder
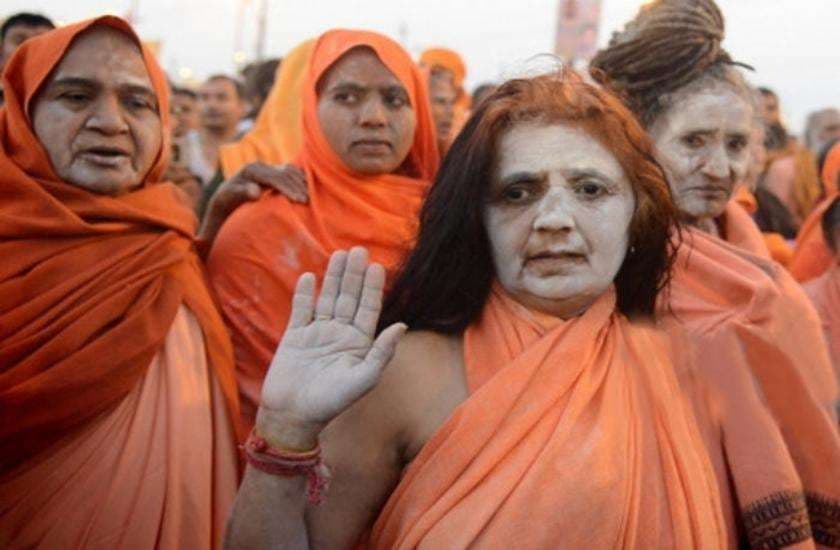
369	444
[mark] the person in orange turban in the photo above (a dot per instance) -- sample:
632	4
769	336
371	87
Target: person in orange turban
451	103
117	387
824	290
812	255
529	382
368	154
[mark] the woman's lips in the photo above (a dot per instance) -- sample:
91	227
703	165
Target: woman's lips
105	157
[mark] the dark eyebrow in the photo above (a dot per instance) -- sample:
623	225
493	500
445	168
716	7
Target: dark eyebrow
351	86
521	177
703	132
78	82
137	89
578	174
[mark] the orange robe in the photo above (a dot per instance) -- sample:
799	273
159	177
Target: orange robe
824	292
575	435
812	255
770	390
111	348
743	232
276	135
265	246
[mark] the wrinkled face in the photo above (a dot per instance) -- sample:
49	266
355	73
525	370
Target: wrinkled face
184	114
557	217
97	115
220	106
702	142
442	95
365	113
16	36
828	128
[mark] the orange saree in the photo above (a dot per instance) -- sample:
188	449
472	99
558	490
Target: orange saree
575	435
265	246
101	296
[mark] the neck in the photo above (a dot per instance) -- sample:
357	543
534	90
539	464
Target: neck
704	224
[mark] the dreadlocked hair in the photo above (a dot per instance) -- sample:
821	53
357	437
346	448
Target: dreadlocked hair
668	46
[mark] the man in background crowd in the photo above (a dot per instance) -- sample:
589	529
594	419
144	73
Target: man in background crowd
259	78
15	30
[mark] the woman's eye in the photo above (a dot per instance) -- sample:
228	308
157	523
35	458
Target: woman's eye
397	101
516	194
591	189
139	103
737	144
74	97
693	141
346	97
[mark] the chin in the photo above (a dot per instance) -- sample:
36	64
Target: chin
106	186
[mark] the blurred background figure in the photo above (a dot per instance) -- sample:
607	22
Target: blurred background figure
258	78
821	127
15	30
221	106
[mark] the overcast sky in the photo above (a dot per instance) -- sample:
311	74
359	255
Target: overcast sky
793	44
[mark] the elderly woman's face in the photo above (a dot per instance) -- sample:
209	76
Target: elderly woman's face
702	142
366	114
97	116
558	215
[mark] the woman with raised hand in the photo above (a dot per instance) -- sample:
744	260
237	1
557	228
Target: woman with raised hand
670	68
367	154
523	408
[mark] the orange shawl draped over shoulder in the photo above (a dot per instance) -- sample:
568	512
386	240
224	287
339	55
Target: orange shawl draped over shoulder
265	246
772	392
741	231
575	435
89	284
276	135
824	292
812	255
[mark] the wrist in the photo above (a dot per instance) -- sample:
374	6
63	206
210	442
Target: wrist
283	431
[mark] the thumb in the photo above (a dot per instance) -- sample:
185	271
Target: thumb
383	348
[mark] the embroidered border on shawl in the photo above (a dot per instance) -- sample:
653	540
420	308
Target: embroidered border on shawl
825	519
778	520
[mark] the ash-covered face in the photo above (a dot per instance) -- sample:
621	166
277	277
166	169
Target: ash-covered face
558	217
98	116
703	143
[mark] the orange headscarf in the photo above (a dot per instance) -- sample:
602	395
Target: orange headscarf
276	135
812	255
451	61
760	350
266	245
575	435
89	284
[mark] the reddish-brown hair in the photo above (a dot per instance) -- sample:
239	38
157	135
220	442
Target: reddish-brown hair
446	279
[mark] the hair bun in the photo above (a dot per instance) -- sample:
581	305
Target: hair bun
667	45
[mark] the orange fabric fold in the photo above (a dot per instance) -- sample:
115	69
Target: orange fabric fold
276	135
824	292
741	231
812	255
266	245
760	350
575	435
158	471
89	284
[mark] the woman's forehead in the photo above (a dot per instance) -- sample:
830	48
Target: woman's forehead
361	66
103	54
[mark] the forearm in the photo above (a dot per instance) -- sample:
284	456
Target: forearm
268	513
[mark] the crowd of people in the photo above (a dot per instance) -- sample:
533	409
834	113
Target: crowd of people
340	301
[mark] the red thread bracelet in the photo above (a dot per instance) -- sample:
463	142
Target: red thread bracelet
289	464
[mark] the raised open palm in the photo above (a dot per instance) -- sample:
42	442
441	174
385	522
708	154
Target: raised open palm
328	357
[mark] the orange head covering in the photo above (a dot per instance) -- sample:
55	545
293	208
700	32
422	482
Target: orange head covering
447	59
266	245
276	135
89	284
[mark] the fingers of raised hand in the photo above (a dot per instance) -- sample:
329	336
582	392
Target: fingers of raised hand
351	285
370	303
325	306
303	301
